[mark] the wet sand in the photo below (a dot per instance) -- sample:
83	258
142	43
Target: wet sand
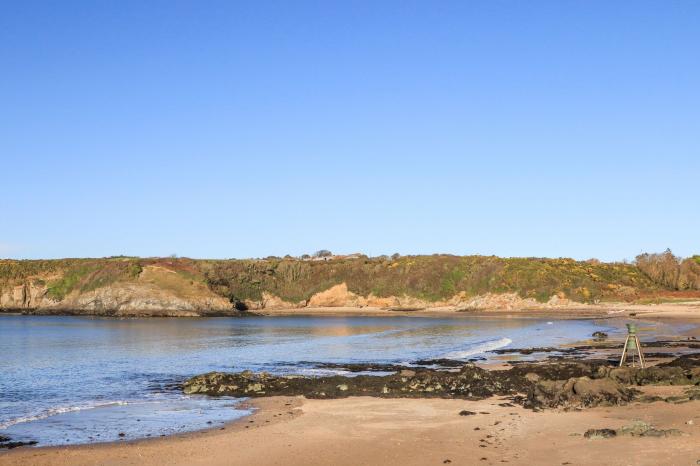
356	431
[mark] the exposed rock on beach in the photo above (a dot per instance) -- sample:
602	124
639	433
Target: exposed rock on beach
568	385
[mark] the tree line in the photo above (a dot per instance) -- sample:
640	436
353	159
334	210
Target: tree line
671	271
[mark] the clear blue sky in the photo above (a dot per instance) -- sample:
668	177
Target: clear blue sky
246	129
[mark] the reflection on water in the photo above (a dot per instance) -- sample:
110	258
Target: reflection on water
66	379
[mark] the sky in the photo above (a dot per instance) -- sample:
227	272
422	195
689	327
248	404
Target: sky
230	129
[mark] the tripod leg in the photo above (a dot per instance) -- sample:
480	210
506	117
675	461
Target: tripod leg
639	350
624	352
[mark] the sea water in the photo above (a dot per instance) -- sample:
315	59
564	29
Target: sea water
67	380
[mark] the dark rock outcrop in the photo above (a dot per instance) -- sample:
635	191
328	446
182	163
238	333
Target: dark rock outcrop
9	444
600	433
470	382
579	392
533	385
544	385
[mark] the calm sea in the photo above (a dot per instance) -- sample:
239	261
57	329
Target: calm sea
66	380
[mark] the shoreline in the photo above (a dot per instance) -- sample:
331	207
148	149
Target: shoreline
366	430
681	310
261	414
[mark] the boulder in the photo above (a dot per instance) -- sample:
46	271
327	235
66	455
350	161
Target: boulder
579	392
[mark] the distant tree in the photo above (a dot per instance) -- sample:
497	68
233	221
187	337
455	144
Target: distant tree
663	268
689	276
305	257
395	256
323	253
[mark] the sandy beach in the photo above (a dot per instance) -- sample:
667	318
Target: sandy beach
357	431
688	310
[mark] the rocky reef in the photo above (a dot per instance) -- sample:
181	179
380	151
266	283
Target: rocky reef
8	444
564	384
636	429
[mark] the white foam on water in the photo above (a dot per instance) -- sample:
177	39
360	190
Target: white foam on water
320	372
59	410
478	348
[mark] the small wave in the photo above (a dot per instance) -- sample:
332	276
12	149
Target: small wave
478	348
319	372
56	411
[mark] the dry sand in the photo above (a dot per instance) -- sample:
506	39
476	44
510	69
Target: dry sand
369	431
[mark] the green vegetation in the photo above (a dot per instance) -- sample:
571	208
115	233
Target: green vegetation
134	269
61	287
671	271
91	274
63	276
431	278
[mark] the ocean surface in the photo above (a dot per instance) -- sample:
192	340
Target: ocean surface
68	380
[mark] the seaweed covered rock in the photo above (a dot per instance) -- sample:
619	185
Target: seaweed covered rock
599	433
686	361
578	392
643	429
560	370
654	375
469	382
566	384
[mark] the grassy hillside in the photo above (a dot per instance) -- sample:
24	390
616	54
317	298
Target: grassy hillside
63	276
430	278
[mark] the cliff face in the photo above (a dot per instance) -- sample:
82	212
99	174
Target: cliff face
154	291
185	287
24	296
